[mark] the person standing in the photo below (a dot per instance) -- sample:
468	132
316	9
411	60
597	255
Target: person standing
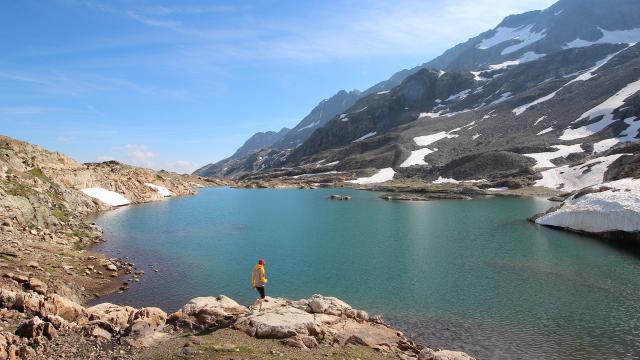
259	280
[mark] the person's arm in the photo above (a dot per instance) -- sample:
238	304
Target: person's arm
263	275
253	279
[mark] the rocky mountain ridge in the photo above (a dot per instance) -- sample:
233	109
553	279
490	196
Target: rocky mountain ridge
376	131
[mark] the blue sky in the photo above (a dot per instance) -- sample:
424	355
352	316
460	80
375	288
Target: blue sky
176	85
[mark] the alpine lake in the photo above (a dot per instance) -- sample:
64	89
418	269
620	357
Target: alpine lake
473	275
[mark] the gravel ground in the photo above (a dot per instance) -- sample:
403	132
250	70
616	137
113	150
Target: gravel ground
232	344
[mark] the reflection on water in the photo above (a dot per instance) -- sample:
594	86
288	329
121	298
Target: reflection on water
469	275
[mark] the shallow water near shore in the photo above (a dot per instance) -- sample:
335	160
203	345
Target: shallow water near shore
463	275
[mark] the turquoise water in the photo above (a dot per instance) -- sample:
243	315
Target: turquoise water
468	275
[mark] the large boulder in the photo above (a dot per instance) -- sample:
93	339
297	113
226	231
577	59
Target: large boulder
35	327
153	316
115	315
277	323
320	304
68	310
12	347
204	312
37	304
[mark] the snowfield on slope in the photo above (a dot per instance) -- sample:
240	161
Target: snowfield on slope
430	139
503	34
617	209
588	74
544	159
571	178
383	175
606	110
162	191
108	197
365	137
630	36
417	158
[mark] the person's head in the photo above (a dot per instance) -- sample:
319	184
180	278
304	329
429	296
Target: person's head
261	261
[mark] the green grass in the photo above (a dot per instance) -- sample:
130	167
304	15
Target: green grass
17	189
37	172
60	215
158	177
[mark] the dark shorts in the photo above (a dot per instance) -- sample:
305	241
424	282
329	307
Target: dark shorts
261	291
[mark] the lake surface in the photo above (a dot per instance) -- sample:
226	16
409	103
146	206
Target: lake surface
466	275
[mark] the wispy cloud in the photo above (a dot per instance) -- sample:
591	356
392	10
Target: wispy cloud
19	77
26	110
146	20
139	155
180	166
345	29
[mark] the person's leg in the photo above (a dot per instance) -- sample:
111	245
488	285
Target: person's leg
262	295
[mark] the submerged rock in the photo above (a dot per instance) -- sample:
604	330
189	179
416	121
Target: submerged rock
340	197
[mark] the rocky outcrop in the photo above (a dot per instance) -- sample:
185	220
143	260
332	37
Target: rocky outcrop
207	312
101	324
303	324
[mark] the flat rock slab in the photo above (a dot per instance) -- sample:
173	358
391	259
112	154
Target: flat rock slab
277	323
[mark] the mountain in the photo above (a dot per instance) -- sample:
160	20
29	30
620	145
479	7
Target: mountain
260	140
566	24
246	156
323	112
542	90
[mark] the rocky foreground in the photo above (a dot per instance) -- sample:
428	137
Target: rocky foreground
51	326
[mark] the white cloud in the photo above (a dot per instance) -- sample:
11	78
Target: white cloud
180	166
64	139
105	158
24	110
139	155
339	30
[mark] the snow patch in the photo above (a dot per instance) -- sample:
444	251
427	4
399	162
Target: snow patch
442	180
383	92
162	191
476	136
570	178
498	189
383	175
417	158
540	119
550	129
588	74
526	57
524	34
366	136
316	174
312	125
429	115
605	109
108	197
630	36
544	159
617	209
430	139
459	96
630	134
503	97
